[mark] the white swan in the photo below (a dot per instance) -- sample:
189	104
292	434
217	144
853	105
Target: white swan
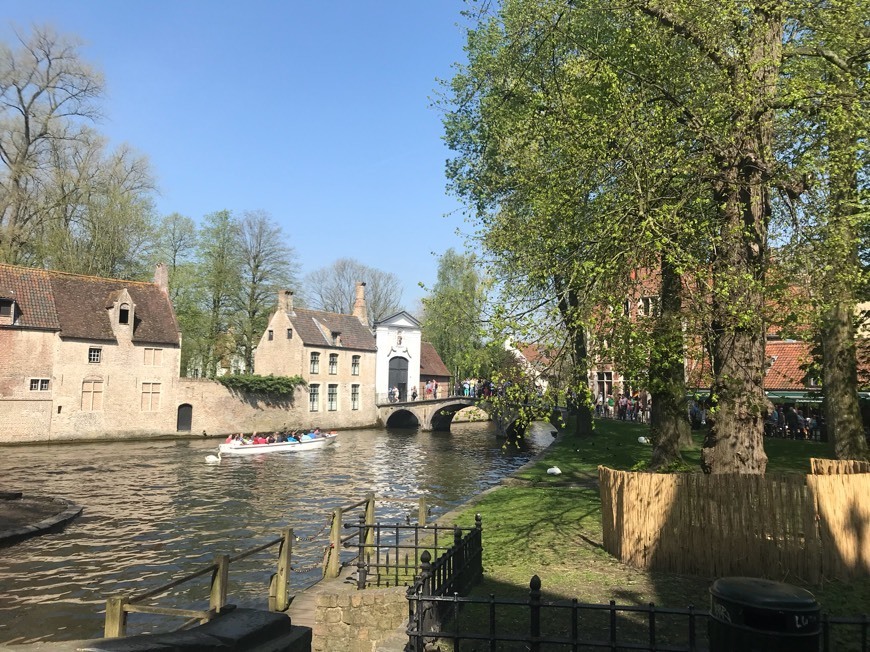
643	440
213	459
554	470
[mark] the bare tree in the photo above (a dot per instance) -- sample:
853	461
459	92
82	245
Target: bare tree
266	266
47	97
333	289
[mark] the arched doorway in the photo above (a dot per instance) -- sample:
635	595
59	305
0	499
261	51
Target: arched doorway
399	376
185	417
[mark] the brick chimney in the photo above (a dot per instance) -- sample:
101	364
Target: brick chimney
285	300
161	278
359	306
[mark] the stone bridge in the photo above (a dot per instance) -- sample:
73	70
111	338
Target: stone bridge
434	414
437	414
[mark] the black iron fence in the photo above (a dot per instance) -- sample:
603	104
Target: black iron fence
396	555
532	623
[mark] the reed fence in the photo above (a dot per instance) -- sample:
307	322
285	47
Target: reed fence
811	527
836	467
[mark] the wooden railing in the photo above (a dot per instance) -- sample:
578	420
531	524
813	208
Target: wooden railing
117	607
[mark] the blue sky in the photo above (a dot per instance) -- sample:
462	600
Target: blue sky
317	112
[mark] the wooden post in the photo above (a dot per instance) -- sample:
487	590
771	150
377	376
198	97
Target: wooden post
370	519
333	562
116	617
219	579
279	598
421	510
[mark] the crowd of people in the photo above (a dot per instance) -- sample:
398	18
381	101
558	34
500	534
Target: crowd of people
279	437
626	407
791	423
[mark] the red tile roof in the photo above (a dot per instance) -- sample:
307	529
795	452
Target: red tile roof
431	364
77	305
786	359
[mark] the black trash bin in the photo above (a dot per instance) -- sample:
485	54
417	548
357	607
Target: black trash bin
754	615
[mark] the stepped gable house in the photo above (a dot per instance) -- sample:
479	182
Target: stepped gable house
334	353
81	356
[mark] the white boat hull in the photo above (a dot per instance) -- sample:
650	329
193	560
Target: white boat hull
283	447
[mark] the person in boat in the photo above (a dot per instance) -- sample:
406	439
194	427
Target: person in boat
317	433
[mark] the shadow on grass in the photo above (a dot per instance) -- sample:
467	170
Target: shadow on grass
550	526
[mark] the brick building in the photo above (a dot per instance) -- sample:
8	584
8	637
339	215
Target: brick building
334	353
80	356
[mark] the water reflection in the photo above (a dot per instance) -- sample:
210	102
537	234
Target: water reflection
155	510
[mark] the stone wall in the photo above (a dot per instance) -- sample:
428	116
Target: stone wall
219	411
357	621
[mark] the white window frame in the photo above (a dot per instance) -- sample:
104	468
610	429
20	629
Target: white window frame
314	398
354	397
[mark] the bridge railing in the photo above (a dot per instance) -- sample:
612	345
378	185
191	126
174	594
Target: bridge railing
385	397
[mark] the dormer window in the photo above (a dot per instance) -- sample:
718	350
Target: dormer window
7	311
336	338
124	314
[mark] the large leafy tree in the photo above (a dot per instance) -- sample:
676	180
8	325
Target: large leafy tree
571	185
825	123
219	282
712	73
453	313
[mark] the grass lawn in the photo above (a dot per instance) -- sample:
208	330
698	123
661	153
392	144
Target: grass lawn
550	526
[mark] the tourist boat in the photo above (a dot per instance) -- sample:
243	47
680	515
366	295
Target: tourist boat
308	442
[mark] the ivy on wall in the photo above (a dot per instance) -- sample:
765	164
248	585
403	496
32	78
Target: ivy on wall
277	386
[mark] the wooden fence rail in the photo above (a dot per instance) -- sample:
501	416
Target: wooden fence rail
117	607
811	527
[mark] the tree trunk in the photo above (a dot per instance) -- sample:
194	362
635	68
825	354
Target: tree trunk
735	441
669	424
839	359
840	381
569	308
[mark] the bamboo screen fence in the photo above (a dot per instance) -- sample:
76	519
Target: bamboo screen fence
809	527
834	467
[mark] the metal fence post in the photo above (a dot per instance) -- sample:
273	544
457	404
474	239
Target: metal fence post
362	538
535	613
461	583
333	562
478	547
279	598
219	579
116	617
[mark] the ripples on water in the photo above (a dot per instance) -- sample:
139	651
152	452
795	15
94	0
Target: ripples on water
155	510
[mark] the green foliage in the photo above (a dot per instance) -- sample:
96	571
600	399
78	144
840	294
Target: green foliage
272	386
453	315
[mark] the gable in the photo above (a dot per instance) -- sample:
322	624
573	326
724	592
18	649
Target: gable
399	320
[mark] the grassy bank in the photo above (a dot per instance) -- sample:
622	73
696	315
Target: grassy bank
550	525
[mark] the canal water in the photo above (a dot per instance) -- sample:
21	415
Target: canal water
154	511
